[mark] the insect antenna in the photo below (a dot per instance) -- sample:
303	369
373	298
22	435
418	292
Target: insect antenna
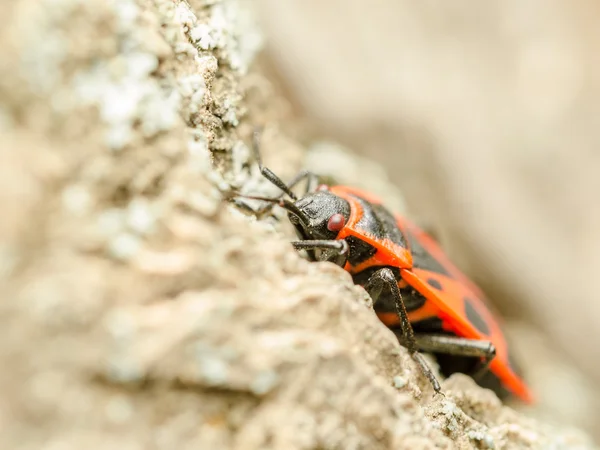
282	202
265	171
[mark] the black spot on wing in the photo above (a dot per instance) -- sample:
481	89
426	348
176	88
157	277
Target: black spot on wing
422	259
435	284
380	223
474	317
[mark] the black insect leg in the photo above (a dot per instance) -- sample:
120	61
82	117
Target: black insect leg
311	178
384	279
336	250
458	346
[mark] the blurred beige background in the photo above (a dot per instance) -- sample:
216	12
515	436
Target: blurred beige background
485	114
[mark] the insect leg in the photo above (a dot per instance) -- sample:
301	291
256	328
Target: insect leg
384	279
459	346
338	249
312	181
340	245
310	177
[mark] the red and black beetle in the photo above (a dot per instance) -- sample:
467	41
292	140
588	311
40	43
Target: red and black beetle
429	304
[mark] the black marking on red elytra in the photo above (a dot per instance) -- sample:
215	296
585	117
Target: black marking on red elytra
379	223
474	317
422	259
435	284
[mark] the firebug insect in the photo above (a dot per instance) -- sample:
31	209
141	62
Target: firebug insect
417	292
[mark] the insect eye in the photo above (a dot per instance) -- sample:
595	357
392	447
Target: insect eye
336	222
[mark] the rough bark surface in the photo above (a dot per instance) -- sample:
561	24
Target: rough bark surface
139	310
